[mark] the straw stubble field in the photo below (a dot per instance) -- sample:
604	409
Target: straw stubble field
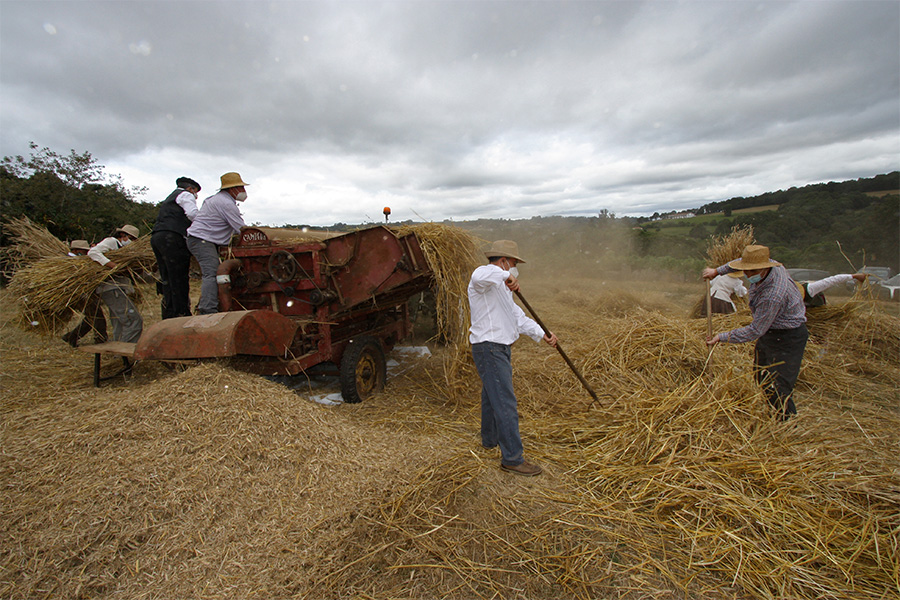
210	483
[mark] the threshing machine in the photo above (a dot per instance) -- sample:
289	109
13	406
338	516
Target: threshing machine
290	303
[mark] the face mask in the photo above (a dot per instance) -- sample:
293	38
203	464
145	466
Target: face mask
241	196
514	272
755	278
124	242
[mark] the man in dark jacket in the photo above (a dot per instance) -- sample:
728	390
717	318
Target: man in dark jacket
169	245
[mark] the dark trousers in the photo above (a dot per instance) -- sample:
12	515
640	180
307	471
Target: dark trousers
778	355
93	320
718	306
174	260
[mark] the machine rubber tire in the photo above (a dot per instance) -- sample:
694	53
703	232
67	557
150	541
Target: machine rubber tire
363	369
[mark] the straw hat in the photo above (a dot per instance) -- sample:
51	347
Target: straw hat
754	257
230	180
505	248
79	245
129	229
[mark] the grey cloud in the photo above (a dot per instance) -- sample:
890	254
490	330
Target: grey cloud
584	101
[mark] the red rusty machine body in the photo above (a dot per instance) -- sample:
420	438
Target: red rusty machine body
291	300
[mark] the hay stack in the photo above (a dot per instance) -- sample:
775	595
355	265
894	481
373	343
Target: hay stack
50	290
452	253
30	243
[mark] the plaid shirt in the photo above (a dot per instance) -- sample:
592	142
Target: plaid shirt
775	303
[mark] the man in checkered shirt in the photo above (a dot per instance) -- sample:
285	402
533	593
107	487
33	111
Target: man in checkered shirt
779	325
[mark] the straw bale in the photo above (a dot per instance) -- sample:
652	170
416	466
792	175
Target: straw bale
721	249
49	291
30	243
452	253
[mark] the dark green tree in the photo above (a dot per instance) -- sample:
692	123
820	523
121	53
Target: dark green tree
69	194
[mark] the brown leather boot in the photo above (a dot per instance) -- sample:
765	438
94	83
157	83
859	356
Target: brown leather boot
526	468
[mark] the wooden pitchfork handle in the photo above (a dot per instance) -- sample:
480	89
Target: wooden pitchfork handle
558	348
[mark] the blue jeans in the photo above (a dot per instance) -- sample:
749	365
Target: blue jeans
499	409
207	255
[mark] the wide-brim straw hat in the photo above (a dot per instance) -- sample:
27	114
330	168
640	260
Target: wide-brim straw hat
230	180
507	248
79	245
754	257
130	230
735	274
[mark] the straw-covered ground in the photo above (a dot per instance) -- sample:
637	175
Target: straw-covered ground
211	483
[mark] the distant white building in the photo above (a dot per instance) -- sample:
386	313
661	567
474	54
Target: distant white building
680	215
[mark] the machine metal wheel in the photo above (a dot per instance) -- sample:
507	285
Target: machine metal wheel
282	266
363	369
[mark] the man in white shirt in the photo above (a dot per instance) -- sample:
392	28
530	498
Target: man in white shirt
126	320
497	322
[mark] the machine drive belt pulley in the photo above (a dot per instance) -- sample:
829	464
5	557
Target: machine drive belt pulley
282	266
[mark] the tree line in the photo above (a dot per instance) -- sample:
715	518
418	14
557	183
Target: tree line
889	182
71	195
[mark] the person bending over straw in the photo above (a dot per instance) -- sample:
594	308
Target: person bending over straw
93	319
813	291
778	326
497	322
127	322
722	289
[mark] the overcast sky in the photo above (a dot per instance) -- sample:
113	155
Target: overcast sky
458	110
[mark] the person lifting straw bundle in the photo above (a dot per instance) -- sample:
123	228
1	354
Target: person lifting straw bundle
778	326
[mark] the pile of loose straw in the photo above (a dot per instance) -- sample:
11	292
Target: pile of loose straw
676	484
30	243
680	483
49	291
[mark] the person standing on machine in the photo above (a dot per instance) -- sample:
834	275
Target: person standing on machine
169	243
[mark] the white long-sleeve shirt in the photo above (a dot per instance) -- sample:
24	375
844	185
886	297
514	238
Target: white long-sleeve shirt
817	287
188	203
495	315
98	252
723	286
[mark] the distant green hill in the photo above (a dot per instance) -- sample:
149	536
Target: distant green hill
880	184
835	227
